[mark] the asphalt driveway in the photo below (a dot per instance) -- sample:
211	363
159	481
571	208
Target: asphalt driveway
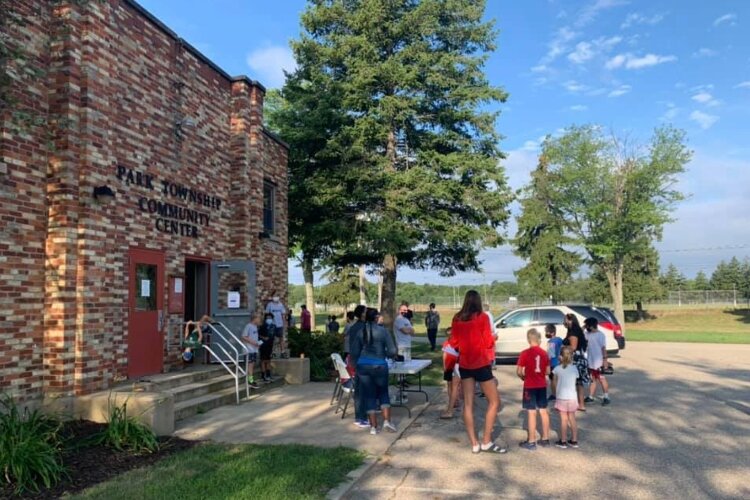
678	427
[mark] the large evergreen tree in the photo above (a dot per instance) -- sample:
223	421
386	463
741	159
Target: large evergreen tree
542	239
701	282
673	279
615	197
419	135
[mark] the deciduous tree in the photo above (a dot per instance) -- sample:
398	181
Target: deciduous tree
615	197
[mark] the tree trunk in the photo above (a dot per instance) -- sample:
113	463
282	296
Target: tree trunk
614	277
640	311
307	273
362	294
380	289
388	300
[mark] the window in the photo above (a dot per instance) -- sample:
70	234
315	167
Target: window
521	318
553	316
269	201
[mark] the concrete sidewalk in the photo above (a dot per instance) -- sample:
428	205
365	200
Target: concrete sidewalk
678	427
295	414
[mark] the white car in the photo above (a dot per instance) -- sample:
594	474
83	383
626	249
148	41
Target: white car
511	326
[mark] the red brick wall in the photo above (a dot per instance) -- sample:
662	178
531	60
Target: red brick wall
114	85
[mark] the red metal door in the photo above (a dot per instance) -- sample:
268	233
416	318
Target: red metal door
146	296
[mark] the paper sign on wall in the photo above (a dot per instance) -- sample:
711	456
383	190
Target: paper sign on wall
145	288
178	285
233	300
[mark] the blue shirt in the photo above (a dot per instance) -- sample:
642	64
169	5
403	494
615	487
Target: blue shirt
553	351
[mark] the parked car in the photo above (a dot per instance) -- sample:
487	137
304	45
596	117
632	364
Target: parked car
511	326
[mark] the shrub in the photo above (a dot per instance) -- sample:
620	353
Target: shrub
124	432
317	346
30	447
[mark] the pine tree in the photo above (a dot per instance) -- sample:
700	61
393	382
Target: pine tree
701	281
419	135
541	240
673	279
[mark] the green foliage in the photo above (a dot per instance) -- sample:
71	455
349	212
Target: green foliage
342	288
673	279
541	240
701	282
613	197
318	346
30	448
732	275
124	432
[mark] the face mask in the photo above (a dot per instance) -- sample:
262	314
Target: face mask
275	299
269	322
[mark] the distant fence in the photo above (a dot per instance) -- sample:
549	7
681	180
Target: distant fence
707	298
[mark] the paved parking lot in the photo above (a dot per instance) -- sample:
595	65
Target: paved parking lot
678	427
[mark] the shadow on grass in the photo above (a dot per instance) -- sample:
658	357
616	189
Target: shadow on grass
742	315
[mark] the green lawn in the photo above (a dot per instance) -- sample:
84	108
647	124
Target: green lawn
241	471
433	374
727	326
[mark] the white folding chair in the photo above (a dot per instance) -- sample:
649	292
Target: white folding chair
346	385
337	385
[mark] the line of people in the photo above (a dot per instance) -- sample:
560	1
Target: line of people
571	364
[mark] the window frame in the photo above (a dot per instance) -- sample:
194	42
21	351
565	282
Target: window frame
269	212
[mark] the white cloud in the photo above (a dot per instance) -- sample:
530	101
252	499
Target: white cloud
574	86
558	44
635	18
578	107
582	53
630	61
591	11
621	90
270	62
704	52
704	120
539	68
588	50
705	98
743	85
671	113
730	18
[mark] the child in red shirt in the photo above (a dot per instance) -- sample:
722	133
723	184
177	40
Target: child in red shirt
533	369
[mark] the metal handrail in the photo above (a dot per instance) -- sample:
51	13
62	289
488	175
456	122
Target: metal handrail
238	371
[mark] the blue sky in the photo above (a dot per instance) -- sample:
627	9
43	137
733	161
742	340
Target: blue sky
627	65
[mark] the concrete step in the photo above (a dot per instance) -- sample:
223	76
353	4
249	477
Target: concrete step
164	382
211	385
205	402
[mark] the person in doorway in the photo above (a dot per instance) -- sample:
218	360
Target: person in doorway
277	309
554	344
578	344
305	319
471	336
432	322
371	349
193	337
266	333
533	368
597	358
252	344
565	375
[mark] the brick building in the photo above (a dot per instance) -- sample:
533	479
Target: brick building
94	287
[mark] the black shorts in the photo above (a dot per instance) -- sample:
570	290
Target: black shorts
448	375
482	374
266	349
534	399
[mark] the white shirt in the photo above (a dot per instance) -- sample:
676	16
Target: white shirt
597	341
566	381
278	310
402	339
250	332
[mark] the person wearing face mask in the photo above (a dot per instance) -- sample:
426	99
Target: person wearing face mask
266	334
277	310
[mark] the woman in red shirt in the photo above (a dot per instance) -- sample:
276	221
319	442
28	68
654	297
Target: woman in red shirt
473	338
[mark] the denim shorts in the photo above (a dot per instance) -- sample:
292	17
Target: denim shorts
373	386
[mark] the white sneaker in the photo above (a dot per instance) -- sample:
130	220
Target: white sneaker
373	431
387	425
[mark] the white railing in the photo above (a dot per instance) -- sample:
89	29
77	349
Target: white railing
233	362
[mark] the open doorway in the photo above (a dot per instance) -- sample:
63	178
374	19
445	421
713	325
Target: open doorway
196	289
